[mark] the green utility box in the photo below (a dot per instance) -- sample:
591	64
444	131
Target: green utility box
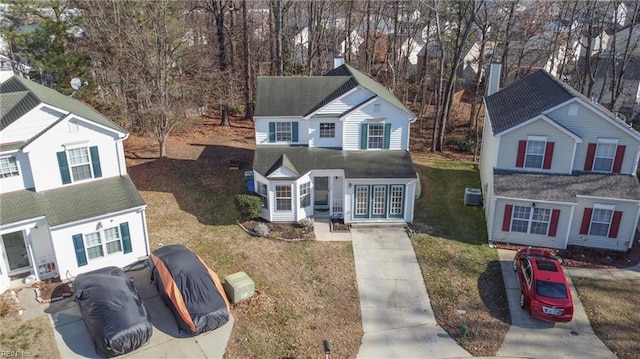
239	286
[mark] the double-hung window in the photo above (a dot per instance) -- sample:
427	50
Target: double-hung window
375	135
305	194
100	243
601	221
283	131
327	130
79	163
8	167
94	245
535	153
283	198
530	220
604	156
112	239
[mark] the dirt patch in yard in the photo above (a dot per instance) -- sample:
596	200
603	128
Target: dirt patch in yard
27	338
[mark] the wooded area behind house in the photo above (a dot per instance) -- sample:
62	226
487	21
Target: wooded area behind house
149	65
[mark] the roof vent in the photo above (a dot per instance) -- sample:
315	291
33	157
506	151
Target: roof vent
472	197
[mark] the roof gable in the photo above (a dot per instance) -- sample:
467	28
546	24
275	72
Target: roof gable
524	99
303	95
23	95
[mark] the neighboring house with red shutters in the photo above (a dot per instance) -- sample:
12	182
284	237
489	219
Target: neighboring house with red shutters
557	169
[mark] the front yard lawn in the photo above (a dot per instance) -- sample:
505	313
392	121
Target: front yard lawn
612	308
306	292
461	272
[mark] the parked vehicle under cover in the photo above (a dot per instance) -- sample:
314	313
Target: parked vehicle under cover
544	291
113	311
189	288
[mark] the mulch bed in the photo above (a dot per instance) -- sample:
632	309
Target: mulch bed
50	290
280	231
584	257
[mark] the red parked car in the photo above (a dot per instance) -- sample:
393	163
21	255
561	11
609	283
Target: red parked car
544	290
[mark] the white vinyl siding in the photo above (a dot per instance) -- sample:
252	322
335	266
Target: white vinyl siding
345	103
399	121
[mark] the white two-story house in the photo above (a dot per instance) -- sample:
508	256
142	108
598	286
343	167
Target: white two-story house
67	205
337	143
557	170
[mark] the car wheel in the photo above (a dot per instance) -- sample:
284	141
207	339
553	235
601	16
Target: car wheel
522	301
514	264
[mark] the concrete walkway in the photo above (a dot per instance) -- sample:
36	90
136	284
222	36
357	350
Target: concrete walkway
397	318
531	338
605	274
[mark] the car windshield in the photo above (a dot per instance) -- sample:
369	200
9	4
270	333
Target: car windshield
551	289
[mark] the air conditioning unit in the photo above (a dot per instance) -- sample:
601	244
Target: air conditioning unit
472	197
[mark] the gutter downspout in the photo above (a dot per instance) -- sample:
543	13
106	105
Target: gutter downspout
145	233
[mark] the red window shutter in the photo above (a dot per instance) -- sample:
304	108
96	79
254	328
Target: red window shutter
548	156
586	220
522	148
506	221
615	224
591	153
553	226
617	162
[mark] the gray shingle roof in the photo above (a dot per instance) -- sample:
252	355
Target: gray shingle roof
564	188
524	99
19	95
356	164
71	203
302	95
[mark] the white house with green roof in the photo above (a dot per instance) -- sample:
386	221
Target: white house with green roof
337	144
67	205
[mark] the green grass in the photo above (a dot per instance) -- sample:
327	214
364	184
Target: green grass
442	204
461	272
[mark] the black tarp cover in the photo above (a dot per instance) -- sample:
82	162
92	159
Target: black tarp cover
189	288
113	311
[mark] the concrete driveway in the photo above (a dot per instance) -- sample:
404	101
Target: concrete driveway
74	341
532	338
397	318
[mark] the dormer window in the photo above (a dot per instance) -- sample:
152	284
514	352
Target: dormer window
9	167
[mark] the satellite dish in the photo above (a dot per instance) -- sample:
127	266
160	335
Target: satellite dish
76	83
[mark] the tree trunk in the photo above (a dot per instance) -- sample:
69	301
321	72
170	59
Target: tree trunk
279	60
248	92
